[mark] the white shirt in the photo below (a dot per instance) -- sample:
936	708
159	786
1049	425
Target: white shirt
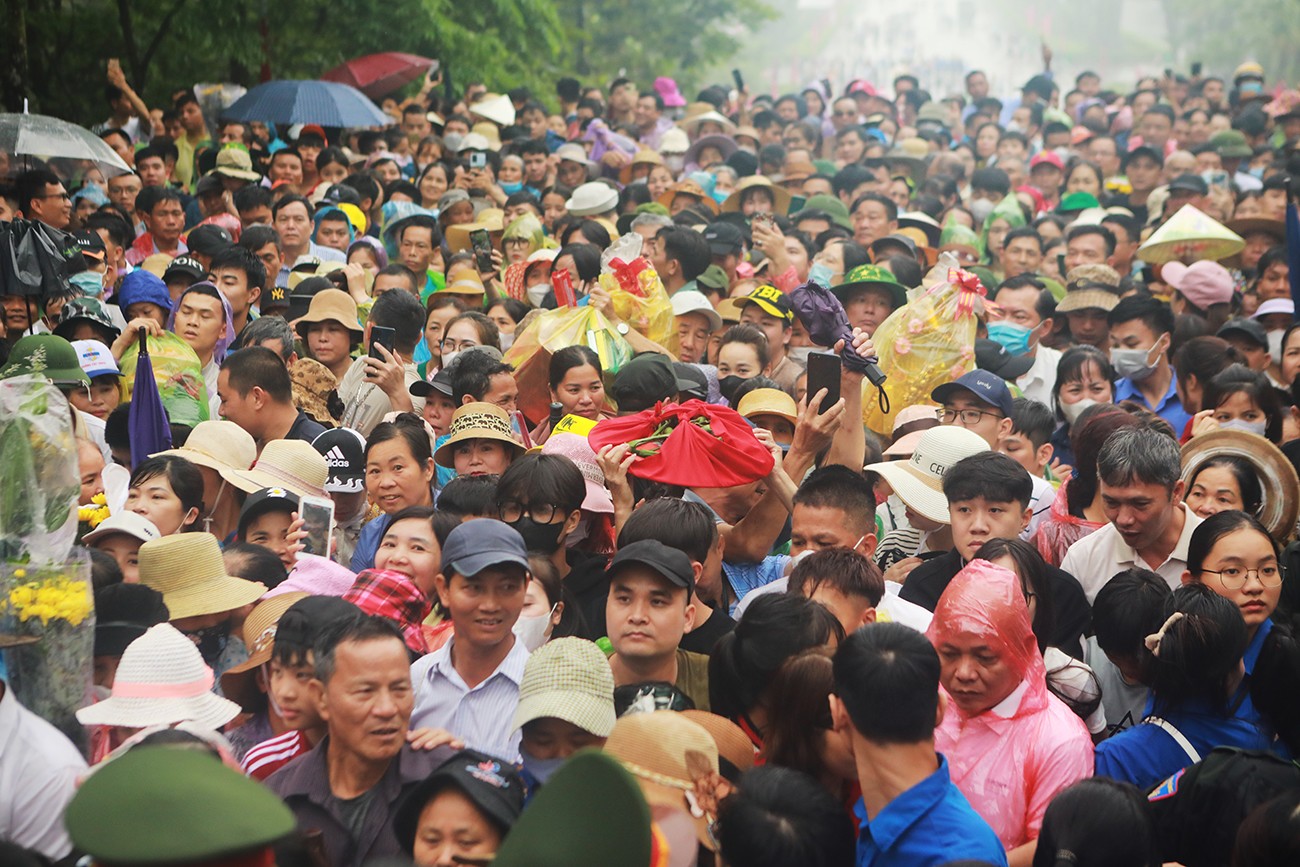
1039	505
1038	382
365	405
892	607
1100	556
39	768
211	371
483	717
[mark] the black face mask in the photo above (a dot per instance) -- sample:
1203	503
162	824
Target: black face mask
728	385
211	641
539	537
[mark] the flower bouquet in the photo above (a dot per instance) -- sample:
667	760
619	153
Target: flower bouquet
91	516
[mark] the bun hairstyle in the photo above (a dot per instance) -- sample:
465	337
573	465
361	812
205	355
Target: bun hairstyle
1196	655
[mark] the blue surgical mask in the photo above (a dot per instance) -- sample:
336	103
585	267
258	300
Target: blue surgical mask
821	274
87	283
1014	338
541	769
510	187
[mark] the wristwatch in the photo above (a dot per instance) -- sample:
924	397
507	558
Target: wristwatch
621	328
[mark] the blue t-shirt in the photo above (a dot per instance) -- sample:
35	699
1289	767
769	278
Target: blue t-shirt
363	556
931	823
1170	407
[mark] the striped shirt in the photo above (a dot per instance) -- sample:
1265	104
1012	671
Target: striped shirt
483	717
270	755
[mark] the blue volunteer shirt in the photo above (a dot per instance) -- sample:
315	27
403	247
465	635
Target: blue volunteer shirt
931	823
1170	407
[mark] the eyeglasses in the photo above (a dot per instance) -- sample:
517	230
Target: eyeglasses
968	417
1234	578
541	513
449	344
59	195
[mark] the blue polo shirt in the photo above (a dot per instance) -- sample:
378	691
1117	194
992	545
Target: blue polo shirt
931	823
1170	407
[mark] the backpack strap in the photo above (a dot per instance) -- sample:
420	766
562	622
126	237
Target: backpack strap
1178	736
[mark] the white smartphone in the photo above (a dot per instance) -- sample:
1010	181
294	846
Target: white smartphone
317	515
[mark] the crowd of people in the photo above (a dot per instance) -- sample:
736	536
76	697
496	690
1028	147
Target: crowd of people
1040	618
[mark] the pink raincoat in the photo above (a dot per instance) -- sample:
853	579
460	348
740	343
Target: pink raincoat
1061	529
1011	760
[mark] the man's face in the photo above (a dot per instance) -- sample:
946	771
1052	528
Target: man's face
776	329
1140	511
293	225
844	112
1020	305
153	171
385	282
1136	334
233	283
871	222
1155	129
1212	90
623	97
90	466
286	167
1143	174
191	118
1021	256
53	206
867	308
270	256
646	615
200	322
258	214
122	190
367	703
416	248
571	174
165	223
647	112
1103	152
484	607
975	673
1089	326
535	169
240	409
333	234
977	86
992	425
1046	178
232	133
535	122
818	528
980	520
1085	249
415	125
692	337
503	392
1020	449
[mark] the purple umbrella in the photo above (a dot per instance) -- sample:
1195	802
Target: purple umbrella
146	419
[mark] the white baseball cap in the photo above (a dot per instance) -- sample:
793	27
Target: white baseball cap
918	481
96	359
129	523
1273	305
691	301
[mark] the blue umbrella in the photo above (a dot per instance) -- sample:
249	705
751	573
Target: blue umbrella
146	420
326	103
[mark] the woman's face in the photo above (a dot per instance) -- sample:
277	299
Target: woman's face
99	400
512	171
1291	358
154	499
566	263
1239	406
998	229
480	457
461	335
1089	385
1214	490
580	392
395	479
738	359
451	830
1226	568
410	547
365	257
1083	180
432	185
499	315
813	99
435	325
553	209
333	173
832	256
438	409
516	249
899	193
658	181
986	142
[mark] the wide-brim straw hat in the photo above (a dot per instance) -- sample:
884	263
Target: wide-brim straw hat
918	481
688	188
477	421
331	305
569	679
780	195
222	446
239	684
644	157
290	464
187	569
161	680
1277	475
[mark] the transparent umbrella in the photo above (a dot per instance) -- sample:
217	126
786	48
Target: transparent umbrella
38	135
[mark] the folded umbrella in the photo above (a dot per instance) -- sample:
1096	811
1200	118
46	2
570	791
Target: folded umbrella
325	103
146	420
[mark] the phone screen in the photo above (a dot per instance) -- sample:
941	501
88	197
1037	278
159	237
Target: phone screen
477	160
380	334
317	515
482	245
824	372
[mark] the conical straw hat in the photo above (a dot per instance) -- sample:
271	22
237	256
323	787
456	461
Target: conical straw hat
1188	236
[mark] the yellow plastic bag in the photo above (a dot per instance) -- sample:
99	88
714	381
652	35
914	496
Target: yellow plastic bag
638	294
178	373
926	342
551	331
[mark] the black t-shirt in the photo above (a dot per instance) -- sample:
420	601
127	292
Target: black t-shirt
588	584
702	638
1071	614
305	428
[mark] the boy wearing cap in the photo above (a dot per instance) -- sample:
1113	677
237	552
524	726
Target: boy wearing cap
265	520
769	310
648	611
344	451
470	686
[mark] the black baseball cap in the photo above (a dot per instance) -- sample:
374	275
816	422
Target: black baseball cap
692	373
1248	328
276	296
644	381
724	239
1143	151
994	357
671	563
344	451
1189	183
209	239
90	244
263	501
439	382
492	785
184	266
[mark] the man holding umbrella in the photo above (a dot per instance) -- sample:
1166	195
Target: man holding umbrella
43	198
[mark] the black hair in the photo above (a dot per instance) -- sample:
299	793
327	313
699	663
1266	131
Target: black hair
1199	655
992	179
686	526
586	258
150	197
471	375
778	816
1204	357
1154	314
596	234
541	478
565	359
890	206
1070	369
241	258
1132	230
838	487
488	333
470	496
104	569
254	562
1243	471
990	476
184	477
1033	419
906	269
402	312
260	367
1097	822
408	427
360	629
1022	232
253	196
1239	379
775	627
289	199
1142	456
1214	528
365	185
515	308
688	248
887	676
31	185
751	335
1078	230
840	569
1128	608
117	228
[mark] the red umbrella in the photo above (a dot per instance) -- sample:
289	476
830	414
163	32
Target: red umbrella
377	75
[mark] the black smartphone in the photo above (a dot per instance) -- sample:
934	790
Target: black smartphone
739	79
482	245
1196	69
381	335
477	160
824	372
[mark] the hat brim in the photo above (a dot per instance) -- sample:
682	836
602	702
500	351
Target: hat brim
921	494
585	711
897	291
1277	475
904	445
1015	367
226	471
598	498
443	457
476	563
715	319
212	597
238	174
208	710
239	684
767	307
261	479
1087	299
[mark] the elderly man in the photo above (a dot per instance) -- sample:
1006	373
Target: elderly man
350	784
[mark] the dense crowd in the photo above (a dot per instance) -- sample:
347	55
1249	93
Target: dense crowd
508	511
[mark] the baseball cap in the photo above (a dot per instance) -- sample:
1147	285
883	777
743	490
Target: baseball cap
724	239
644	381
1189	183
95	358
694	374
345	454
90	244
273	298
1046	157
1248	328
493	786
691	301
918	481
909	424
1143	151
1203	283
988	387
995	358
209	239
477	545
668	562
139	286
771	301
439	382
185	266
127	523
263	501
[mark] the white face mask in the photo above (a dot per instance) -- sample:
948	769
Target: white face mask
537	294
1275	344
1072	411
448	358
507	340
800	354
1256	427
675	162
532	632
981	208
